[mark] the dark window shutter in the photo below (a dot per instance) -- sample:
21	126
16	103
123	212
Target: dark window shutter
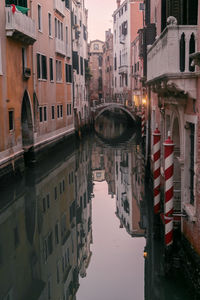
191	50
38	66
182	53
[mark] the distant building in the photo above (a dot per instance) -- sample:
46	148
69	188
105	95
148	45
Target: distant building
95	66
108	66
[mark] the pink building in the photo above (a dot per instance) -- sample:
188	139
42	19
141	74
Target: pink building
173	91
138	91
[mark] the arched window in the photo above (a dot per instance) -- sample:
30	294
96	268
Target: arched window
191	50
182	53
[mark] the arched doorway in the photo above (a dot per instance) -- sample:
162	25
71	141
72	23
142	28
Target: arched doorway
177	168
26	122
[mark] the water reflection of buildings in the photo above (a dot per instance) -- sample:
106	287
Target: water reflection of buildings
129	174
45	230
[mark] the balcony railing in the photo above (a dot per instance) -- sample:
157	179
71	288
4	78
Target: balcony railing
164	55
20	26
60	47
59	6
123	69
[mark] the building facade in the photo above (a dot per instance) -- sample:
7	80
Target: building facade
128	19
107	68
95	66
44	95
80	62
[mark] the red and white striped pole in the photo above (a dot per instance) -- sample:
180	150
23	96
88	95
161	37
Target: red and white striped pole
156	171
169	189
143	121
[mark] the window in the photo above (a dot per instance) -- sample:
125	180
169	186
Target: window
41	66
56	234
59	111
68	73
69	112
84	201
44	67
67	38
63	183
58	29
57	272
58	70
182	53
49	20
50	243
192	145
67	3
191	50
96	46
81	61
11	120
141	6
24	59
100	61
55	193
53	112
39	17
63	225
115	62
75	60
51	68
84	33
45	113
38	66
48	201
40	114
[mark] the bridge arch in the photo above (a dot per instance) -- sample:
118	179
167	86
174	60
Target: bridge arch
99	111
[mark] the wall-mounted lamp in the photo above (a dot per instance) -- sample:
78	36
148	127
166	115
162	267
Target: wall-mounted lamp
144	101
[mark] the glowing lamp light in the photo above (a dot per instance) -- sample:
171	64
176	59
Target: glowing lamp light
144	101
145	254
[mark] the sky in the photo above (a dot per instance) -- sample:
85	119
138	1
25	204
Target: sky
99	17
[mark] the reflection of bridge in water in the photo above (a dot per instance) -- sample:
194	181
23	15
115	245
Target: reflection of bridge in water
100	107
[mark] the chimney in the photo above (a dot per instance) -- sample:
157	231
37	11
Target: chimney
118	3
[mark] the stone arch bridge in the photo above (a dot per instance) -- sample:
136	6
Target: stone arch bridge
99	109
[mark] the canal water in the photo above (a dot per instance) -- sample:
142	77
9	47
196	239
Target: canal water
78	224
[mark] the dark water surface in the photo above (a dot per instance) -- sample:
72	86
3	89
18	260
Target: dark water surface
77	224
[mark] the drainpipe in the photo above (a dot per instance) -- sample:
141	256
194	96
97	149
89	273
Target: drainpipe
33	71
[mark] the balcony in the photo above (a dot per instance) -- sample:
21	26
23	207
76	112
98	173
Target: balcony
169	61
59	6
20	27
123	69
60	47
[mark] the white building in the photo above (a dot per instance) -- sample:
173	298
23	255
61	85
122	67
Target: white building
127	20
80	61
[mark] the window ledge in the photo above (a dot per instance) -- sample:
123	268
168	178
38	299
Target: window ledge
190	211
41	79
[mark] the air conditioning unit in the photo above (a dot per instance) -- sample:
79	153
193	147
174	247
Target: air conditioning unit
27	73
